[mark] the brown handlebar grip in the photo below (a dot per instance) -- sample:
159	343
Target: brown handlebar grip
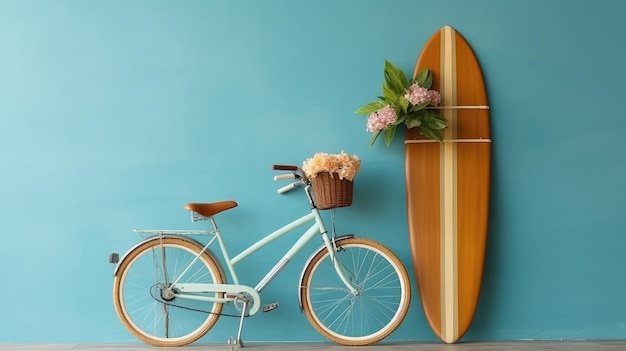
284	168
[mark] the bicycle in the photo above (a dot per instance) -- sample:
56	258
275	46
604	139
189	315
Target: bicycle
170	289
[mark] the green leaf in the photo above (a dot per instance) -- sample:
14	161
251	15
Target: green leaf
389	95
413	122
389	133
433	120
370	108
424	78
395	78
399	120
432	134
373	138
402	105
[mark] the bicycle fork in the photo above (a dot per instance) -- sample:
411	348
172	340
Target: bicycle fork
332	248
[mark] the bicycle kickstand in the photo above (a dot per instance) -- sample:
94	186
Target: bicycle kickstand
237	343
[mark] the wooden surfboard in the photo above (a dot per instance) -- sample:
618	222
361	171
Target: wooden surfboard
447	187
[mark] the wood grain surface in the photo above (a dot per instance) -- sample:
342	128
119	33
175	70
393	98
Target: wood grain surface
447	188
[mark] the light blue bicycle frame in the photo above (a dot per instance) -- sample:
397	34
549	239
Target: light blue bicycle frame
193	290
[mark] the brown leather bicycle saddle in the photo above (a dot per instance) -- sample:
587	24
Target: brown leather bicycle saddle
211	208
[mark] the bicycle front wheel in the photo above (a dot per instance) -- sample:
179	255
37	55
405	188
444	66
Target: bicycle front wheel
369	316
141	296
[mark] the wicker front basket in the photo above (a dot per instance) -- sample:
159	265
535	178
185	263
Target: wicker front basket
330	191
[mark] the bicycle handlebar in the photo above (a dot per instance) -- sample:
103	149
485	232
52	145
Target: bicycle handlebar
287	187
286	176
297	174
285	168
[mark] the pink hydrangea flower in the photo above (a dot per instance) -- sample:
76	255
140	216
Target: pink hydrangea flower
418	95
435	97
381	119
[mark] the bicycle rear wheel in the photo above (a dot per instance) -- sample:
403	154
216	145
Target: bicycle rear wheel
372	315
140	296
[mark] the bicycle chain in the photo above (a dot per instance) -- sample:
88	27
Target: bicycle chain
189	308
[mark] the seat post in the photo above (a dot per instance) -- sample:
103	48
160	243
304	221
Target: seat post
214	223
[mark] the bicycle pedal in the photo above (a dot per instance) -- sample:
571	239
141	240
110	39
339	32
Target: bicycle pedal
270	306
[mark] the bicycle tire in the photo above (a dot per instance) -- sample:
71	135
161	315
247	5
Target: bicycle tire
137	295
371	316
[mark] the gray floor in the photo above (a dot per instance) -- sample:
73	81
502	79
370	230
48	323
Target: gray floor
463	346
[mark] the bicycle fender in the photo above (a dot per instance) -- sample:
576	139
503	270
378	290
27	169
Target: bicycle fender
321	248
158	237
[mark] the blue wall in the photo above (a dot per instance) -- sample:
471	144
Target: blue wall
113	114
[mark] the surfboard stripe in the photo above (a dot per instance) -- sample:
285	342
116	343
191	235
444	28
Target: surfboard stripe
448	213
448	141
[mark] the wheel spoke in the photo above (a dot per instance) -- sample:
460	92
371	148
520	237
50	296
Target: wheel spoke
143	299
369	316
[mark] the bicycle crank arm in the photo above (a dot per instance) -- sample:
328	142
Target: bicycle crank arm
188	291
